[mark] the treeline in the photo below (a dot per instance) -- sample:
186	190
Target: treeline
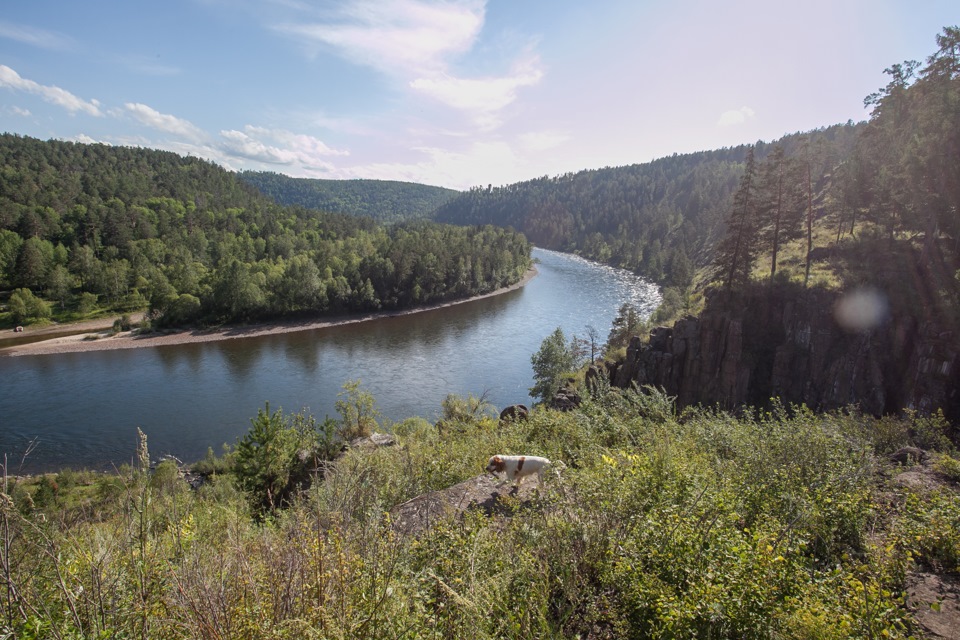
659	219
386	201
93	226
886	213
869	203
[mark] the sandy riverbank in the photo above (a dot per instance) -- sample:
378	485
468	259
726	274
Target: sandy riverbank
100	339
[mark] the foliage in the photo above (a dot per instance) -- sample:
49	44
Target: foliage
661	219
358	412
456	408
198	245
25	307
555	359
948	466
699	525
627	324
277	455
123	323
385	201
737	251
673	302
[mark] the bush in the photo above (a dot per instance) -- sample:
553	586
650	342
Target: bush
276	457
211	464
87	302
123	323
184	309
25	307
165	477
358	412
948	466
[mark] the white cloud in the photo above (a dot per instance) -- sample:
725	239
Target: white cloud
17	111
398	36
482	97
54	95
276	146
418	41
35	37
736	116
161	121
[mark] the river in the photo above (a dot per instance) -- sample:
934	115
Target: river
82	410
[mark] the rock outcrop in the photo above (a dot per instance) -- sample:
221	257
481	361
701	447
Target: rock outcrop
515	412
744	349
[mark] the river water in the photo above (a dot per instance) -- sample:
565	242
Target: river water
82	410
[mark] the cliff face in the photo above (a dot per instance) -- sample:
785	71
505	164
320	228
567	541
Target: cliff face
747	348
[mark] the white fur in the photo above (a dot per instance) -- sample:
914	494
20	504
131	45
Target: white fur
516	468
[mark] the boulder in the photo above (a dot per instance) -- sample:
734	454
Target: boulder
373	441
908	455
514	412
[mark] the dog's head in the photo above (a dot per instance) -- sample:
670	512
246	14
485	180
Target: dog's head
496	465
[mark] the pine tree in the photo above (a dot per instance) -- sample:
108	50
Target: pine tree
780	211
737	251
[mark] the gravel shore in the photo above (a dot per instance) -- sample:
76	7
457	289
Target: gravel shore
100	338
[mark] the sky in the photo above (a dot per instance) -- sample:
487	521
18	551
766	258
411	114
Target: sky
452	93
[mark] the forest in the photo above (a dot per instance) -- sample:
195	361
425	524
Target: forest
839	206
92	227
660	219
386	201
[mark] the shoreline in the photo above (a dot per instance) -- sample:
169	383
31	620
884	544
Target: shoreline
82	342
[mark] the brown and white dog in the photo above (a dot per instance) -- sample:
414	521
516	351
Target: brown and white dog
516	468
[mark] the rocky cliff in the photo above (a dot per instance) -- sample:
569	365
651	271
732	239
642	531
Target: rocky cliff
746	348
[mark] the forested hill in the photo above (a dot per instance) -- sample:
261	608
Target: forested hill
660	219
385	201
94	227
836	279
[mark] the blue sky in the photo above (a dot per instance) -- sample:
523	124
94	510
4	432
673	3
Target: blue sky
455	93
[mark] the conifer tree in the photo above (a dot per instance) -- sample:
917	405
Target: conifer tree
778	204
737	251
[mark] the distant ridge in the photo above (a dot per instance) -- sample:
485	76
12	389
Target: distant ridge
386	201
660	219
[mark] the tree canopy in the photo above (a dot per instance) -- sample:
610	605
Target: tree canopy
138	227
386	201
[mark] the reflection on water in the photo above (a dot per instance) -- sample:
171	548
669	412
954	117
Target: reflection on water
82	410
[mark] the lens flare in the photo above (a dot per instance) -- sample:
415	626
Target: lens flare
861	309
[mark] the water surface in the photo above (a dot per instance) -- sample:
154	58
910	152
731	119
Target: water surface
83	409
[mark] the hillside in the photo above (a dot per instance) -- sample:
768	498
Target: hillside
94	228
657	525
660	219
385	201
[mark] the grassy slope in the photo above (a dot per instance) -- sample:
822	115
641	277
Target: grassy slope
785	525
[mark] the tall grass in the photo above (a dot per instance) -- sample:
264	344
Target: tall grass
660	525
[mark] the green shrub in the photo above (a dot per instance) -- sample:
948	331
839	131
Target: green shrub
276	457
211	464
765	525
46	492
358	412
165	477
123	323
948	466
25	307
86	303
